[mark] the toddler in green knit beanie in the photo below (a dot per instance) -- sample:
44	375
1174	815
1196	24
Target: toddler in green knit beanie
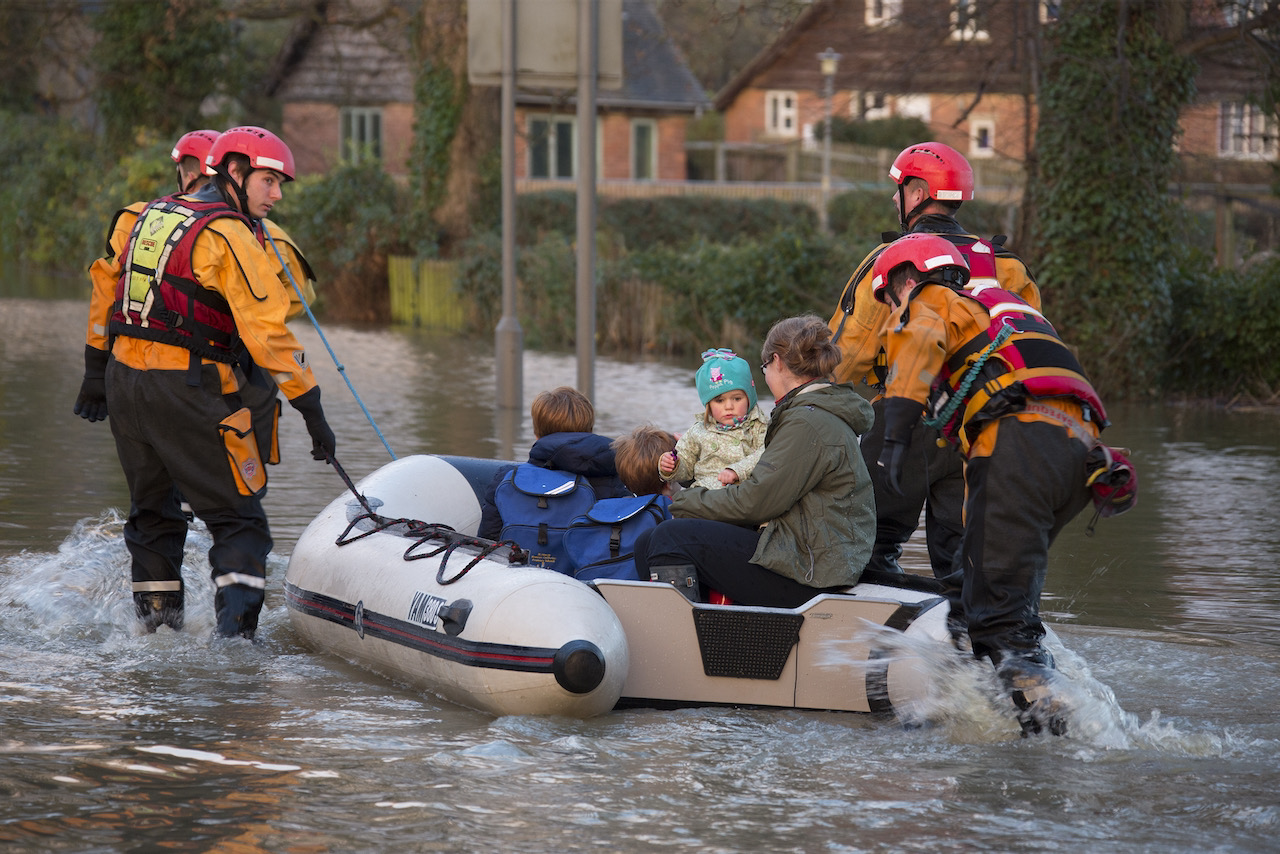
727	437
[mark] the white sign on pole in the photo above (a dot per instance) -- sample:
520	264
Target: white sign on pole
546	43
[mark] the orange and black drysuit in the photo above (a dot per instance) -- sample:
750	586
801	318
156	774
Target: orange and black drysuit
989	370
933	477
259	392
194	288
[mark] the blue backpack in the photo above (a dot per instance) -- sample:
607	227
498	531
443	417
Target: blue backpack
601	543
537	505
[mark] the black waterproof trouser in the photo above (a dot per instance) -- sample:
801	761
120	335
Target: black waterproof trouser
261	394
1018	499
932	480
168	441
722	554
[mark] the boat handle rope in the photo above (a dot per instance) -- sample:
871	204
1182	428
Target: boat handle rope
425	532
341	368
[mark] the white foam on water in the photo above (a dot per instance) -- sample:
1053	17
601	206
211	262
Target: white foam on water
964	696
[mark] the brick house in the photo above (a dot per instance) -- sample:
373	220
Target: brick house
971	91
347	92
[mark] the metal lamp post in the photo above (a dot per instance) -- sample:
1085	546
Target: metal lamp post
829	60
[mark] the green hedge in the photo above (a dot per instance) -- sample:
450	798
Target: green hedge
347	222
1225	339
668	220
47	176
707	294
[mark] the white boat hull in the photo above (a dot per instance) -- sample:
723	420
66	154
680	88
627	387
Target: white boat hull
502	639
517	640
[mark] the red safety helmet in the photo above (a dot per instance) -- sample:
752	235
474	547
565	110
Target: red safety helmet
264	149
195	144
948	173
935	257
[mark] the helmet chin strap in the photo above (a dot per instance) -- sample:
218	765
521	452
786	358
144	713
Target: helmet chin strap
904	218
225	175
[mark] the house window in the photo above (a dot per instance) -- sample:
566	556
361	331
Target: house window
1050	11
968	20
551	147
881	12
869	106
644	150
982	138
780	114
914	106
1246	132
361	134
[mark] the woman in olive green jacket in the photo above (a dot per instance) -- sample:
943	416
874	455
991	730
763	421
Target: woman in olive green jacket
805	519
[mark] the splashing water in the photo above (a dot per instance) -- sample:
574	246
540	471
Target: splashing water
83	590
962	695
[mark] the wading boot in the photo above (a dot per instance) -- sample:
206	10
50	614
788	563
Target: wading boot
1028	677
236	608
684	577
156	609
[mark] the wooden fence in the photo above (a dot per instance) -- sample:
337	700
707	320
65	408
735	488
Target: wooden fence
422	293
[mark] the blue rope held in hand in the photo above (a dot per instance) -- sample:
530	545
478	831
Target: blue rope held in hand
341	368
962	390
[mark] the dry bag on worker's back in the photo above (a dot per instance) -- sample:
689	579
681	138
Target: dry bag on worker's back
537	506
602	542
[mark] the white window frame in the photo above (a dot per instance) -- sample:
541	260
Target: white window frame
1246	132
652	166
360	134
781	111
980	131
914	106
880	12
869	106
965	15
557	124
1051	11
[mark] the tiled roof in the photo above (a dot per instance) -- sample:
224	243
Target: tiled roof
352	58
357	61
653	69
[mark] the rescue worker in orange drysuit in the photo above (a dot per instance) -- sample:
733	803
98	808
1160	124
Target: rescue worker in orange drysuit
931	181
195	286
988	370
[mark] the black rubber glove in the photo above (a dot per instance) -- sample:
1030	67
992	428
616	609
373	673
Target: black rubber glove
323	442
91	404
900	417
893	456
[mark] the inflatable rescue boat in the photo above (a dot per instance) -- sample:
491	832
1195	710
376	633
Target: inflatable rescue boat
392	577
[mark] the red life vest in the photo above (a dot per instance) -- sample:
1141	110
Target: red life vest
1017	357
981	255
157	295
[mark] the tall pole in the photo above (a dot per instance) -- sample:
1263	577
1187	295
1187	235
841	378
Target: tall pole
508	337
828	59
588	60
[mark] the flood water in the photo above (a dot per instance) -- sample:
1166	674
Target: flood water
1167	620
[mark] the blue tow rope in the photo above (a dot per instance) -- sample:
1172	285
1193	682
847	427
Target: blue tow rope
341	369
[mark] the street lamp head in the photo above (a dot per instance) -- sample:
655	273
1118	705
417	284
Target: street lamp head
830	60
